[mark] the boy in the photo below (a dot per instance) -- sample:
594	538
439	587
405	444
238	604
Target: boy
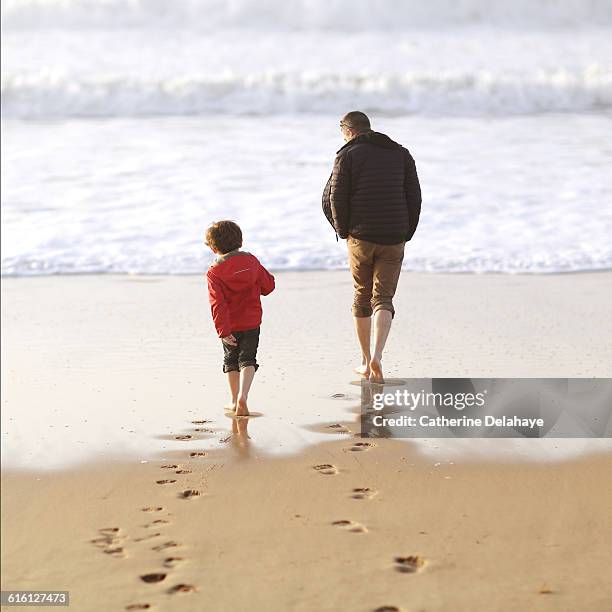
236	280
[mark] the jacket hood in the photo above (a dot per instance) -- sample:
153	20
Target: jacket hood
375	138
238	269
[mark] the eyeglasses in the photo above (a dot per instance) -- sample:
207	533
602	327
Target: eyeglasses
343	124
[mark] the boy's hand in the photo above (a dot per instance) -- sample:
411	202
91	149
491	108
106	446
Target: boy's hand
230	340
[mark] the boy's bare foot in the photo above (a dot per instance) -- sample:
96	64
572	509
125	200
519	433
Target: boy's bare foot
376	375
363	370
241	408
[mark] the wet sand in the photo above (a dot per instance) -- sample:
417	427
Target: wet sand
102	367
106	380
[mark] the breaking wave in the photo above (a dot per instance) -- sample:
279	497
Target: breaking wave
449	93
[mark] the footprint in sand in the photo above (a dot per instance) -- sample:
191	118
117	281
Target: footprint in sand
361	446
189	493
201	422
183	437
165	546
155	577
167	481
152	509
363	493
183	472
325	468
157	522
388	609
108	537
182	588
109	542
197	454
173	561
204	430
339	428
350	526
147	537
138	606
410	564
170	466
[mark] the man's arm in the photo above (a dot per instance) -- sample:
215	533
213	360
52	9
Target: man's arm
327	211
218	306
412	189
339	195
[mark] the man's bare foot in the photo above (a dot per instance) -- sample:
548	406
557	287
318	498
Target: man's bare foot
230	406
241	408
376	375
363	370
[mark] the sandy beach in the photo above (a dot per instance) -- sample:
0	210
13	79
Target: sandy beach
132	129
384	528
119	464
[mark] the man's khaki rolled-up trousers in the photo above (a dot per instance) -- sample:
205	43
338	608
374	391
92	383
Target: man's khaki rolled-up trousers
376	270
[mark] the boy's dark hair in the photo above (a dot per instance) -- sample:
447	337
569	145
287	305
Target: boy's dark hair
224	236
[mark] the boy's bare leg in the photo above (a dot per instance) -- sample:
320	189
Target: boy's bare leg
363	327
382	326
233	378
246	380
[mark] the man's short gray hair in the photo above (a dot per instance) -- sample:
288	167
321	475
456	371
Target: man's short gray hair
356	121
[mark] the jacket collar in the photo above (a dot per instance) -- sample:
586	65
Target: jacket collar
371	137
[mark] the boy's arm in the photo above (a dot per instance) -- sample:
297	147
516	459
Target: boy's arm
218	306
266	281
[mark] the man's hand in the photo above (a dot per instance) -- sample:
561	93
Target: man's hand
229	340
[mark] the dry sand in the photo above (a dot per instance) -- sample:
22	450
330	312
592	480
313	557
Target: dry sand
101	373
261	534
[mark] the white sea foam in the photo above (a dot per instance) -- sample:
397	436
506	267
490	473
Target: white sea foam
524	194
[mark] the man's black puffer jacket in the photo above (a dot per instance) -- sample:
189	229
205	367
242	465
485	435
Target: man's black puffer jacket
373	192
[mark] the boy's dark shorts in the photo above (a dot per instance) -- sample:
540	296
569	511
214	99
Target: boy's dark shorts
235	358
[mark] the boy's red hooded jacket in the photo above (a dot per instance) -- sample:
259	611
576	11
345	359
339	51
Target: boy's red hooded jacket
235	283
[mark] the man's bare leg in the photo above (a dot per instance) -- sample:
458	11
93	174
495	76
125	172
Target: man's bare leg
363	327
246	380
382	326
233	378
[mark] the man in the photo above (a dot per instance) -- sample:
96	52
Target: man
373	200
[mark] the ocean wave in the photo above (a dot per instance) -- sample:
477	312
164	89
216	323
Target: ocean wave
299	14
448	93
